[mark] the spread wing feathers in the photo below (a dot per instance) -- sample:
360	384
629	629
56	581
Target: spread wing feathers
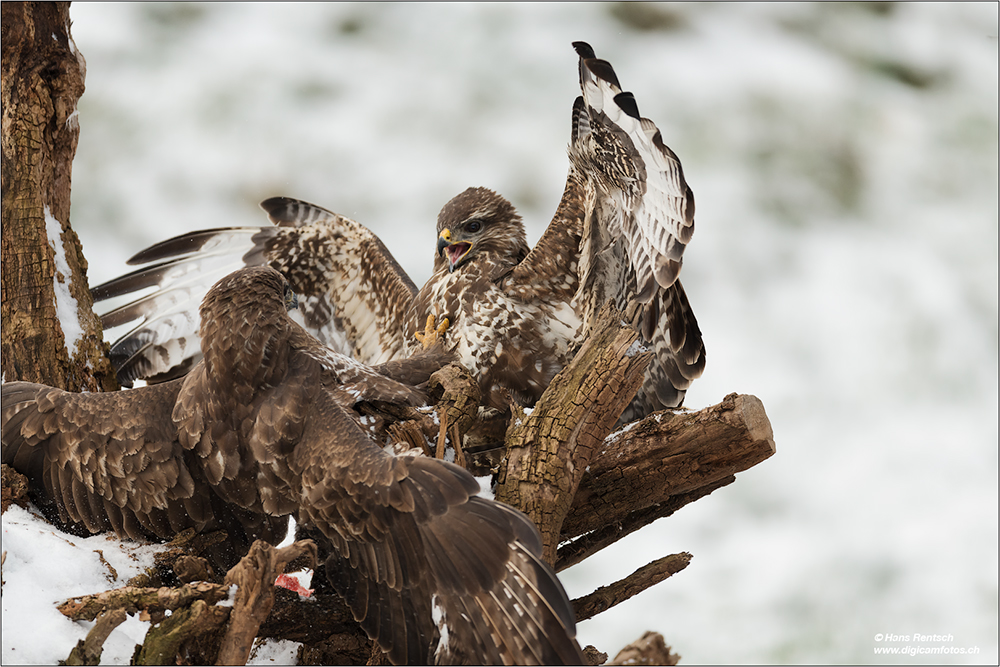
641	192
113	461
362	290
353	292
94	440
551	269
264	425
432	572
163	344
638	216
668	326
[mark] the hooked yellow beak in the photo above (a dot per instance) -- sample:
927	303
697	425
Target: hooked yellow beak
455	252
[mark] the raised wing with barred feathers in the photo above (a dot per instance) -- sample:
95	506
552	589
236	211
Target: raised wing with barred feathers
264	427
516	314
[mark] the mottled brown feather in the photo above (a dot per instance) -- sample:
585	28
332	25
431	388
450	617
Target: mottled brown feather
516	314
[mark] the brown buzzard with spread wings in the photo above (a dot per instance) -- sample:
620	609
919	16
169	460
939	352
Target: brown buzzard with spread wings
265	426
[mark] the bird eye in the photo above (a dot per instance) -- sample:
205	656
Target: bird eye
473	226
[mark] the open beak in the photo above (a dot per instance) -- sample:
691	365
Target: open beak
455	252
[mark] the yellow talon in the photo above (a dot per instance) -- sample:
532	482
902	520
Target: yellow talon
430	335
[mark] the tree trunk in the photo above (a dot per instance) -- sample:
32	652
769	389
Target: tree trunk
50	332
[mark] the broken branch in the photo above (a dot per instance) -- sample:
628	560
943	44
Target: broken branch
254	578
606	597
132	599
669	454
88	651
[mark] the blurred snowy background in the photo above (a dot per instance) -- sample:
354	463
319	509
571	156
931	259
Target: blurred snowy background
843	269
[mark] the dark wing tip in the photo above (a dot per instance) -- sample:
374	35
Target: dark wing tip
274	205
281	210
289	212
584	50
602	69
628	104
134	281
182	244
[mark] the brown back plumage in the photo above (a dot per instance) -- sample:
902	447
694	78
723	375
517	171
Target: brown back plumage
263	427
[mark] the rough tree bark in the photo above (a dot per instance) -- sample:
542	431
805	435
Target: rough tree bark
43	268
548	452
254	578
669	454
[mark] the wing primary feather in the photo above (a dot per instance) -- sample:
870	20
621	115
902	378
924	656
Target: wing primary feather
288	212
188	244
584	50
628	104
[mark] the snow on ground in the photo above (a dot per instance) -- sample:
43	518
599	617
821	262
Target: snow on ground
43	567
274	652
843	269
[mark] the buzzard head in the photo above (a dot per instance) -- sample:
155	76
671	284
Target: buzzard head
479	221
243	348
